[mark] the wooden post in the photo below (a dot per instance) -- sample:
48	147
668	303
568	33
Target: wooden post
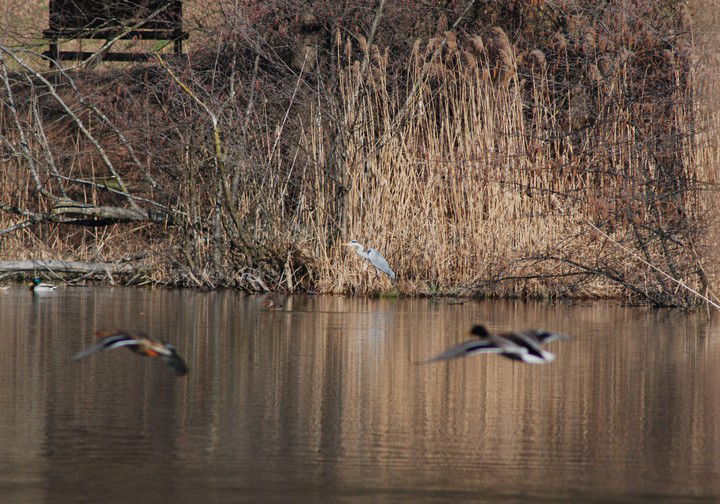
53	52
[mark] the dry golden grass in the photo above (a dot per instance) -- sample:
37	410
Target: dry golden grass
457	189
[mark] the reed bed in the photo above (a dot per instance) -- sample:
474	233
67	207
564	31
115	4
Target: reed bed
455	178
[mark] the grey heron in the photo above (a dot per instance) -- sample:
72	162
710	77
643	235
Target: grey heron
522	346
374	257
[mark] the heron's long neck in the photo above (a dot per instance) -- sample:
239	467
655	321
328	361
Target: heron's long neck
360	250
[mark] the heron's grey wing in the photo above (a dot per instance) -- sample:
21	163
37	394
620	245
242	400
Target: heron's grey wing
106	344
467	348
377	260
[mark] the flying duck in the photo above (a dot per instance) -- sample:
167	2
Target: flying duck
516	345
140	343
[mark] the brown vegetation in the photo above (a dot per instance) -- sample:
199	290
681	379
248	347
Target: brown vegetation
513	149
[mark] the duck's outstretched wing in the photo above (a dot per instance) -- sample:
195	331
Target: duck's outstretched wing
108	343
542	336
467	348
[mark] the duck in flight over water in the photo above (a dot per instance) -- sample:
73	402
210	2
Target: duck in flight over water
373	257
140	343
516	345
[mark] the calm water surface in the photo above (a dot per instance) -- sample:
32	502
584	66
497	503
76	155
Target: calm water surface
326	403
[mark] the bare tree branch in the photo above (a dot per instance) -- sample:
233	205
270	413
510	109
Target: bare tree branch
79	122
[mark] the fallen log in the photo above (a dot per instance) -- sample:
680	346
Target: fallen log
67	211
71	212
59	266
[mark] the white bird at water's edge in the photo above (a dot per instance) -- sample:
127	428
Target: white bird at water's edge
374	257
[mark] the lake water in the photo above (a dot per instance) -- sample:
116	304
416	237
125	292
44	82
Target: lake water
327	402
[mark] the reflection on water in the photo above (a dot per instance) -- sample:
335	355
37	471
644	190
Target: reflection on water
327	403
